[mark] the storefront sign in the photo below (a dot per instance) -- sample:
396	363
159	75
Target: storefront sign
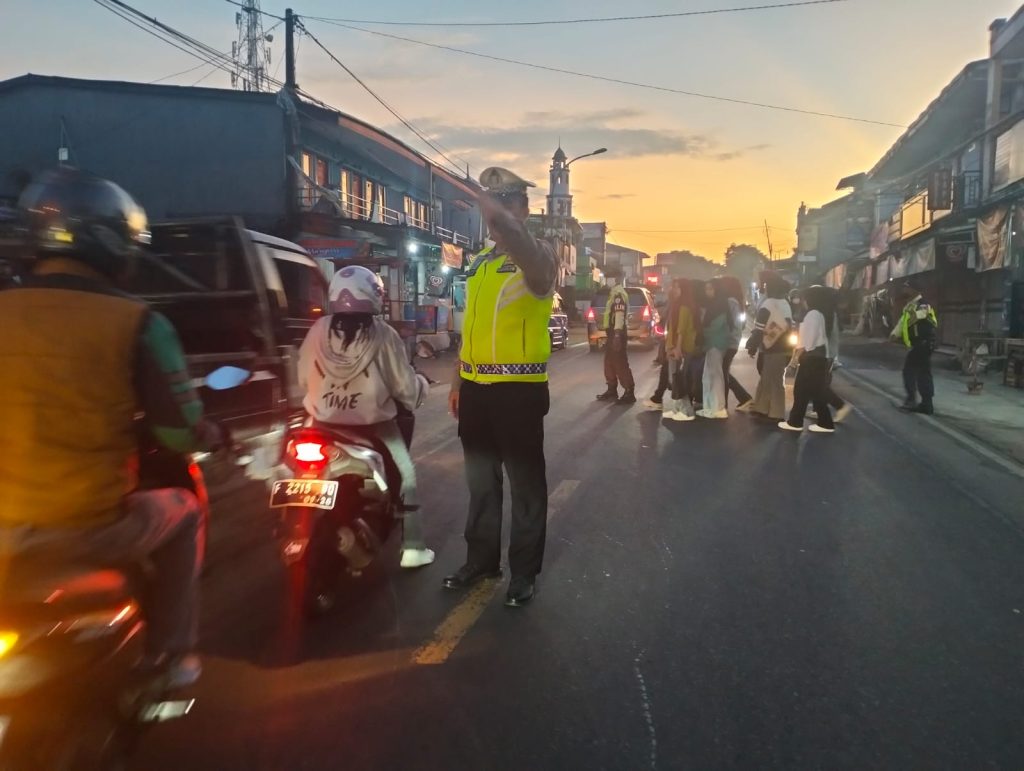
337	249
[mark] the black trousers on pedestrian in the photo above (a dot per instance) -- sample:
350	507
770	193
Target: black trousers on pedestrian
731	383
663	376
917	374
811	387
502	426
616	362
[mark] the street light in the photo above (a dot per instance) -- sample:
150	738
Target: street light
587	155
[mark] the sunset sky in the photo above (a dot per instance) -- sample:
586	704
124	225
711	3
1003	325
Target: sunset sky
675	163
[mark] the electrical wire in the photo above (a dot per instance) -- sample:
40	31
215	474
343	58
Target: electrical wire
379	99
618	81
596	20
176	74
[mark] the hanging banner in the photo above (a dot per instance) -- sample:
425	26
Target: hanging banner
898	267
337	248
922	257
882	272
879	241
451	255
993	239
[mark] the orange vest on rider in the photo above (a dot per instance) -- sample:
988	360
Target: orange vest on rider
68	447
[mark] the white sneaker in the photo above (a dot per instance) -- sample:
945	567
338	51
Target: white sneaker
843	413
787	427
747	406
668	415
682	417
417	558
821	429
653	405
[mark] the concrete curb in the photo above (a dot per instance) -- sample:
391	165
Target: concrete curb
966	440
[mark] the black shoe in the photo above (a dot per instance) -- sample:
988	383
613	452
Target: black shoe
610	395
520	592
468	575
627	398
909	405
924	409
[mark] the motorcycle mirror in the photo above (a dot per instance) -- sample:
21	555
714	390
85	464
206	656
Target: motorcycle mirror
226	378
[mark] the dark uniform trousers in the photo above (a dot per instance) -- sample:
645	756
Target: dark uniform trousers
616	362
502	425
917	373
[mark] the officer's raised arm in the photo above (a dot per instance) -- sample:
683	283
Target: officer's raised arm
505	206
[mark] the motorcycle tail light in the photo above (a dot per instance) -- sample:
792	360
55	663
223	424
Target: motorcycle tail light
647	313
7	642
591	316
310	452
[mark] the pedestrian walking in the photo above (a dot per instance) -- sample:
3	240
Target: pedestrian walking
717	327
771	336
813	358
730	286
616	356
500	390
681	338
669	312
917	330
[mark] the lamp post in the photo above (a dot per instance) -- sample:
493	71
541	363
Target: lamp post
586	155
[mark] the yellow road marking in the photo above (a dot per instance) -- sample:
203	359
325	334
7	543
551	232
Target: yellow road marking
455	625
463	616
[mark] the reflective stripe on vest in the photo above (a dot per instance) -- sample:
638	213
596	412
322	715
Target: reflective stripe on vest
505	331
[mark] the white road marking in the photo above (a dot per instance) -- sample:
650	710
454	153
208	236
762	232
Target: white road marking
645	700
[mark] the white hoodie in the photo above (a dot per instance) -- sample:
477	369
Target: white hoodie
358	385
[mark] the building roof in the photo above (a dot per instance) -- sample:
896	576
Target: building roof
955	115
559	156
312	109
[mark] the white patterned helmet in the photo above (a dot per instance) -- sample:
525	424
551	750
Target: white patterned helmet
356	289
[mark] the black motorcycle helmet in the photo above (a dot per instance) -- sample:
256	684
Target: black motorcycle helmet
74	214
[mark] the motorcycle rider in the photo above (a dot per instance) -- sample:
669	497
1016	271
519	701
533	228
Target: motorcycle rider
356	373
82	363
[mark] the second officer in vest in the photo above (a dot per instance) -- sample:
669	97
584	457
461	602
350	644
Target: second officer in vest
500	392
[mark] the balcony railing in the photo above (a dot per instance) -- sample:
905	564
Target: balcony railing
356	207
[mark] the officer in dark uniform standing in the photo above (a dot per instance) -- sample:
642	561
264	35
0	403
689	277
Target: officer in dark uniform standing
500	391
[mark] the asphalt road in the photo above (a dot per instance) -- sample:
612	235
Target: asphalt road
717	594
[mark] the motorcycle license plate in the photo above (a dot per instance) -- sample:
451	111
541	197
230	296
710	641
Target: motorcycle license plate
316	493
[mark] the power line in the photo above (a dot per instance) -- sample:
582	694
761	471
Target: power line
176	74
380	99
596	20
169	35
618	81
700	230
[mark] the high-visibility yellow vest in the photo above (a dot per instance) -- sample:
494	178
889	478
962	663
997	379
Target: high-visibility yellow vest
505	332
617	292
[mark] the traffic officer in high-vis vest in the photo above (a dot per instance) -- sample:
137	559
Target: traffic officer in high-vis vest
500	391
916	330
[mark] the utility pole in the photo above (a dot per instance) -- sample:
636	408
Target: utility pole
289	51
768	235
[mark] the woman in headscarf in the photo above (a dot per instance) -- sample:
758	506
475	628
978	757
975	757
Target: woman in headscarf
681	345
730	286
717	326
771	336
814	357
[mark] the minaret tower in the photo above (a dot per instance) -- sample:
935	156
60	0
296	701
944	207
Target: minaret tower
559	197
